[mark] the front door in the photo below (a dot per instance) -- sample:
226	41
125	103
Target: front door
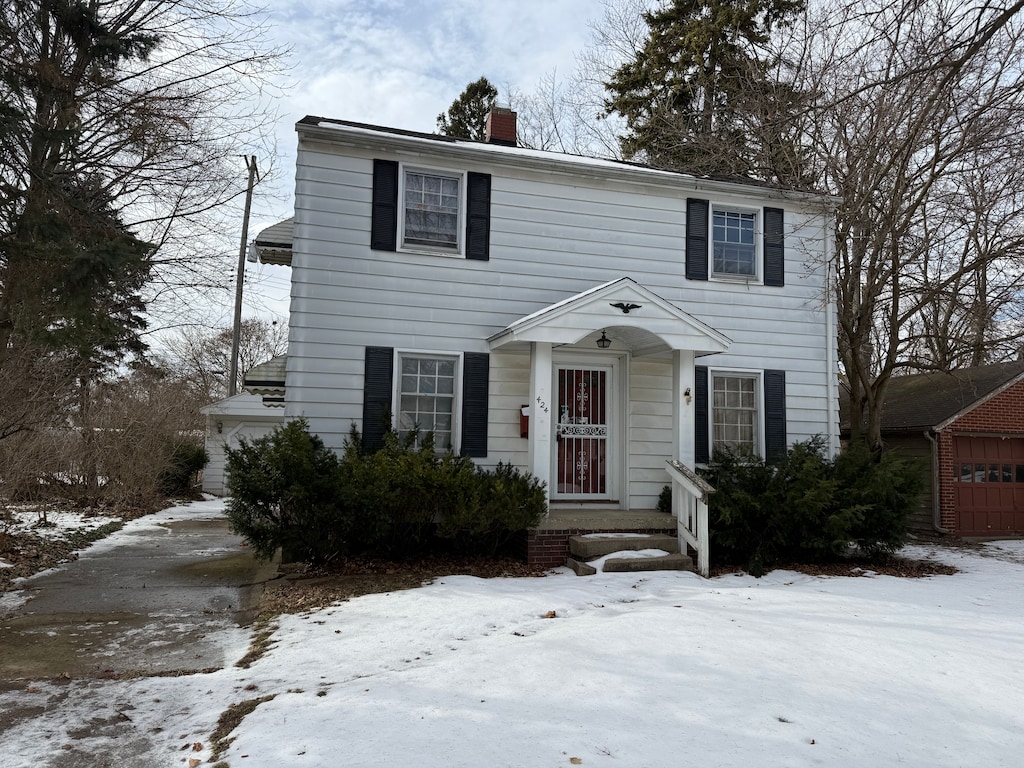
583	432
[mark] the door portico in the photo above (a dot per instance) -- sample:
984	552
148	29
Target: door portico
640	326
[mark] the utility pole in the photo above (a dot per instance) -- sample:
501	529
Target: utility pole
250	163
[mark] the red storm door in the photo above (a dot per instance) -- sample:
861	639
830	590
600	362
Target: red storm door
581	433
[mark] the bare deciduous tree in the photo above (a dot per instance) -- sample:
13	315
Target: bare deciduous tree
911	112
917	104
201	357
151	102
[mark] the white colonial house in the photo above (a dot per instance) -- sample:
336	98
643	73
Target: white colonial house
600	324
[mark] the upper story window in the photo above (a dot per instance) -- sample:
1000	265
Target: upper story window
437	211
735	243
432	204
734	247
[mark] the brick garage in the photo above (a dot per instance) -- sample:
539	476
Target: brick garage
969	427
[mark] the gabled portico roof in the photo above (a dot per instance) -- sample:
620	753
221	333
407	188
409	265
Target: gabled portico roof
631	314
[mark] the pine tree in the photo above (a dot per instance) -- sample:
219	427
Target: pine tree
467	116
699	95
71	274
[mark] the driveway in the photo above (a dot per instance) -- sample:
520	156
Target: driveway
170	593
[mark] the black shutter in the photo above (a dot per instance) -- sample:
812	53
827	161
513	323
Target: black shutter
384	217
774	248
774	415
475	374
696	239
377	377
701	443
478	216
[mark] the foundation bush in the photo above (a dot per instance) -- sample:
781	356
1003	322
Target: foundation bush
806	508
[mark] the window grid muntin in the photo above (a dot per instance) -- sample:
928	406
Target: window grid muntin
734	412
426	398
734	242
431	208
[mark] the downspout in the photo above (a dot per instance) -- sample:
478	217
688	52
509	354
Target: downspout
831	339
936	498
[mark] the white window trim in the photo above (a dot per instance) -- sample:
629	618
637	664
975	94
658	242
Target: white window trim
459	251
758	275
396	390
758	376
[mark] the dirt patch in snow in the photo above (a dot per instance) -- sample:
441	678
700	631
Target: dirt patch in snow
302	588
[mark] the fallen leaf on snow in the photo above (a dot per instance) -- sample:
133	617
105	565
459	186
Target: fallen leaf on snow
550	615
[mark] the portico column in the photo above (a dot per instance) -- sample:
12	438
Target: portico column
541	408
683	406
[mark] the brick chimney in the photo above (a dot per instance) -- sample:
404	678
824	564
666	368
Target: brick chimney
500	127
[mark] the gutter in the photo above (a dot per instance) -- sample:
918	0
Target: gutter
936	499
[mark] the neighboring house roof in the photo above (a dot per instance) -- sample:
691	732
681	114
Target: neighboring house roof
267	379
934	399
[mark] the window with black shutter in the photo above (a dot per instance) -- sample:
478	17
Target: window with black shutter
728	413
722	242
430	210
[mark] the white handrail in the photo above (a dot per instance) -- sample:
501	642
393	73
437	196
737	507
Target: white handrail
690	494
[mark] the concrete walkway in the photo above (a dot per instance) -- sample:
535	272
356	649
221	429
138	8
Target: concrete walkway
167	594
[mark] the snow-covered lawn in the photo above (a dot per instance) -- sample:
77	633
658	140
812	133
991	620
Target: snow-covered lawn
632	670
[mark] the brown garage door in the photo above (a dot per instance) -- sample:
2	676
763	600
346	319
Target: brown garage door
990	485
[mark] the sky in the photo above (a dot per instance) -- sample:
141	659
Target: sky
399	64
657	669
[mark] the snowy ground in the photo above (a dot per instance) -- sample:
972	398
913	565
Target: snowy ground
632	670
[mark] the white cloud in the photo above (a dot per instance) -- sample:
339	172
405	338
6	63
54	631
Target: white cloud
400	64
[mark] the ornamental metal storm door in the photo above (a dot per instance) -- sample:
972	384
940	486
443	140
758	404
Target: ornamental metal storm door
582	433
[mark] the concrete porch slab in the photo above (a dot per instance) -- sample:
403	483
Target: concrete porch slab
577	518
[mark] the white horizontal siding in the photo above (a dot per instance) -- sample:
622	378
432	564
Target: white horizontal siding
552	236
649	430
509	390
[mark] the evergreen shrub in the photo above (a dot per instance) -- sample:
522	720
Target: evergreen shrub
285	492
185	461
886	488
806	508
665	500
507	501
401	492
288	490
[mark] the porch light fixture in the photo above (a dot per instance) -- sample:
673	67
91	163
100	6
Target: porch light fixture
220	427
604	342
